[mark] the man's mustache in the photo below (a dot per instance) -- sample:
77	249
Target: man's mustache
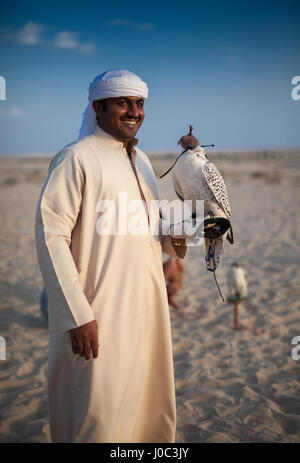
130	118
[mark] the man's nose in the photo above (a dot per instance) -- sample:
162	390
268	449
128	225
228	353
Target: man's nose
133	110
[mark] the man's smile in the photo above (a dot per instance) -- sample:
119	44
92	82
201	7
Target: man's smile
130	122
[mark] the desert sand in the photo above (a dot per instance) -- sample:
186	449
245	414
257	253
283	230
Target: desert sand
231	385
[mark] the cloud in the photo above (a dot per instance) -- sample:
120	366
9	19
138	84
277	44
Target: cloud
88	47
131	24
68	41
12	112
32	34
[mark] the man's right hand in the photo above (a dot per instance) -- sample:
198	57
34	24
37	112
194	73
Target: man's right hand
84	340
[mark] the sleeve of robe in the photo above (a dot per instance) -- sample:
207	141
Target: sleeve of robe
57	211
166	243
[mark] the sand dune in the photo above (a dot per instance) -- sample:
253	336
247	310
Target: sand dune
231	385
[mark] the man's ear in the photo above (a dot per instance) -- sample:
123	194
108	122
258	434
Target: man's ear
96	106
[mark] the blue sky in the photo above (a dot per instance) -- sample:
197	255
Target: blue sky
224	66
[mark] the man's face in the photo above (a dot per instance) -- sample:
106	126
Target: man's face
122	117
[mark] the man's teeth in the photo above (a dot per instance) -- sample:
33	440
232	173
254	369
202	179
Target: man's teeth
130	123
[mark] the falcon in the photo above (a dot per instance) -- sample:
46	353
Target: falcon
237	281
197	178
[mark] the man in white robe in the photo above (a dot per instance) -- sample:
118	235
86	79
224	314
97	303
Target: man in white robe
110	371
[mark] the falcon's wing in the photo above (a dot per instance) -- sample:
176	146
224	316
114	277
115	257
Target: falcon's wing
217	186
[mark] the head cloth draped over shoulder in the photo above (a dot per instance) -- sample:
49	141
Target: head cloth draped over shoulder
110	84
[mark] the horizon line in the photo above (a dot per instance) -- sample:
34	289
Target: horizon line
166	151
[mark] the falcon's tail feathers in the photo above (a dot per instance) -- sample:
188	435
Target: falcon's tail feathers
229	235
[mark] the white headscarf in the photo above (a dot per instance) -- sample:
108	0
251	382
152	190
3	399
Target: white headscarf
110	84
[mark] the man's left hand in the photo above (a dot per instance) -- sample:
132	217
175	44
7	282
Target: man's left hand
84	340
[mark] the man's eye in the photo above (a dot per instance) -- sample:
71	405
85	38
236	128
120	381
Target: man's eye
121	102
